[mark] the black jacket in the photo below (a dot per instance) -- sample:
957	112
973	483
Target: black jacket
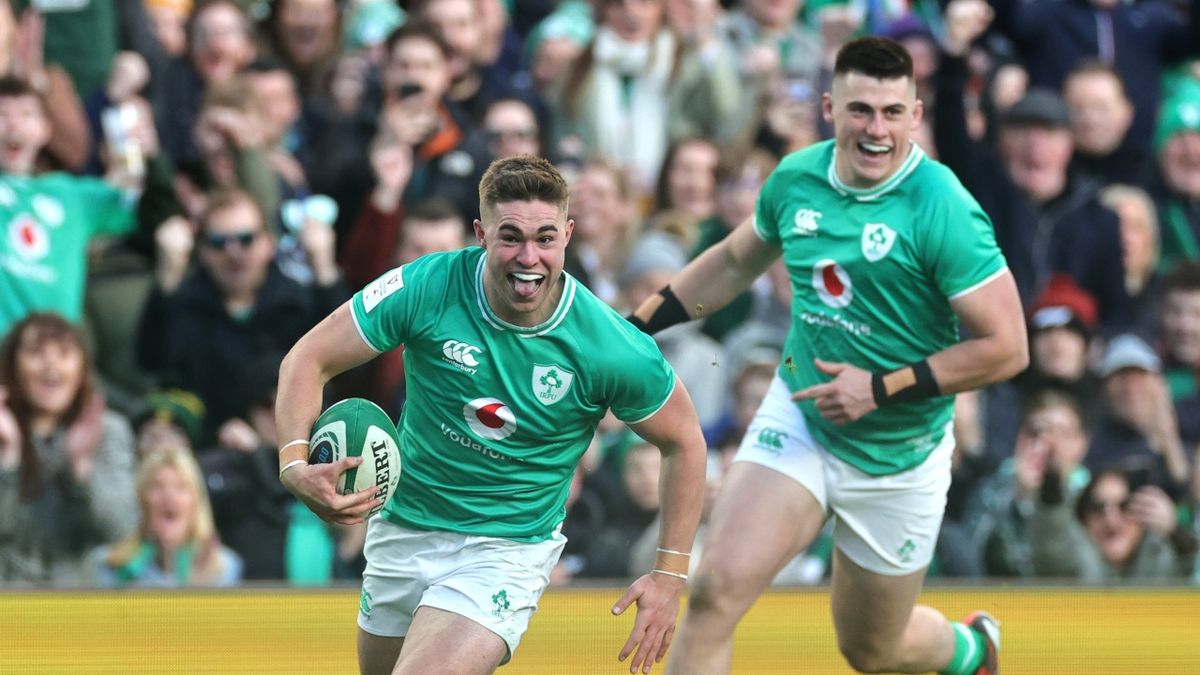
1072	234
1140	40
190	341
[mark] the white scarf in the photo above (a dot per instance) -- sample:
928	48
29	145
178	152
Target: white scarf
631	131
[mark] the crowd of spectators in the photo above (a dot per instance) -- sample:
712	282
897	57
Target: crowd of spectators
187	186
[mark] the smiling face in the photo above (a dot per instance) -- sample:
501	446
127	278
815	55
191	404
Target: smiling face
1036	157
872	119
169	503
526	244
49	370
24	131
221	42
1108	522
236	249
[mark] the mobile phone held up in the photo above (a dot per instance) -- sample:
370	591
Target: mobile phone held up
118	123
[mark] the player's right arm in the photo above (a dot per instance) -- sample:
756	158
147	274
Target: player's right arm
709	282
330	348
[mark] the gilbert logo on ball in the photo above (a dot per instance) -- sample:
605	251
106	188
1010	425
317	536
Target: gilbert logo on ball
356	427
490	418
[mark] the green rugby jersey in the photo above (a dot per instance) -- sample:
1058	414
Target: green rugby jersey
498	415
872	274
48	222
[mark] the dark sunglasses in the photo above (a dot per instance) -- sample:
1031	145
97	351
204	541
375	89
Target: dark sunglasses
1095	507
222	241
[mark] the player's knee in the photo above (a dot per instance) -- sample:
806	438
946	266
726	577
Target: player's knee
868	657
714	592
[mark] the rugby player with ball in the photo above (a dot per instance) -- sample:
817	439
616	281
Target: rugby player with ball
510	365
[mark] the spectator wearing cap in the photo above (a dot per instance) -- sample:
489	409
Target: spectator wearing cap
1139	429
1046	219
654	260
1177	147
1061	322
554	43
1139	39
168	418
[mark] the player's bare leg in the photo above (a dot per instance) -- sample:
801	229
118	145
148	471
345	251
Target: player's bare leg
880	628
761	521
377	655
444	642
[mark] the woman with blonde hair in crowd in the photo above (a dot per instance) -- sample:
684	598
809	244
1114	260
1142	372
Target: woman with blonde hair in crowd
176	543
66	462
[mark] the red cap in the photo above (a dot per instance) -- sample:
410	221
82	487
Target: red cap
1063	296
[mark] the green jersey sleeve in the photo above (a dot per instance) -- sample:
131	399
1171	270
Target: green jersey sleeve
640	381
767	209
108	210
962	251
386	310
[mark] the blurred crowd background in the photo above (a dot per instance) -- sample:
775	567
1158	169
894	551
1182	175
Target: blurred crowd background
187	187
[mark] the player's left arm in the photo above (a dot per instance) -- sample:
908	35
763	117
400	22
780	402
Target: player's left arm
675	430
997	350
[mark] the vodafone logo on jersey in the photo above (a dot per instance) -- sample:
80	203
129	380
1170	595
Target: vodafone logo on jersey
28	238
490	418
832	283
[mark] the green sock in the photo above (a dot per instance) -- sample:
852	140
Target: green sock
970	648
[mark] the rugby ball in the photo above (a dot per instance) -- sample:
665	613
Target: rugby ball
356	427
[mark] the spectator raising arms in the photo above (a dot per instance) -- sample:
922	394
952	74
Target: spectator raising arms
50	218
66	463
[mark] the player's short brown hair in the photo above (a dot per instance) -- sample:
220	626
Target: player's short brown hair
876	57
522	178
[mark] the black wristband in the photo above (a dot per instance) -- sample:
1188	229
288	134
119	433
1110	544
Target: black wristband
913	382
669	312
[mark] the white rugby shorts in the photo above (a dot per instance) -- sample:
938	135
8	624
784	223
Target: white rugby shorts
886	524
494	582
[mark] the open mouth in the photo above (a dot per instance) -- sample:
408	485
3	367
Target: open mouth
526	284
12	150
874	149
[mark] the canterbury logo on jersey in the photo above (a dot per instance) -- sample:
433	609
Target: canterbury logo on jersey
806	222
461	355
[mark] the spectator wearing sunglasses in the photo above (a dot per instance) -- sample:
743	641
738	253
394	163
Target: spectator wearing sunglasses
1119	529
201	326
